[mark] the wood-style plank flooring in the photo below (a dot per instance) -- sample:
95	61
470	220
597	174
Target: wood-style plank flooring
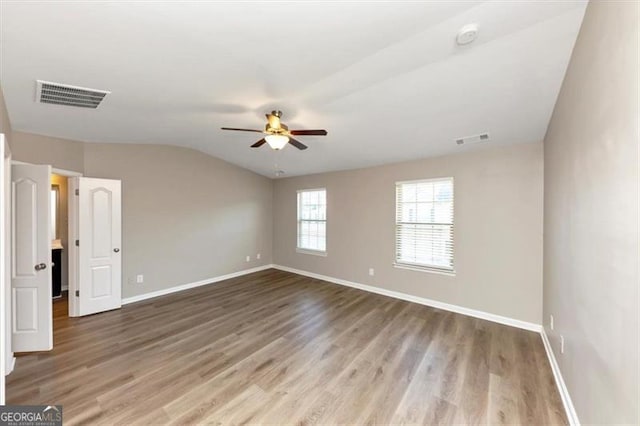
279	348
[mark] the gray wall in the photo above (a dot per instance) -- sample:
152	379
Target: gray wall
591	217
187	216
498	229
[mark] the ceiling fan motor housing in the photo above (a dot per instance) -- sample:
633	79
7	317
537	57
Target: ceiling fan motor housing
283	129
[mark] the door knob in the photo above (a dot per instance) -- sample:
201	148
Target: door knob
116	250
41	266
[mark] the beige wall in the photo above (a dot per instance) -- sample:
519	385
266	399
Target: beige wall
498	229
187	216
59	153
591	218
5	124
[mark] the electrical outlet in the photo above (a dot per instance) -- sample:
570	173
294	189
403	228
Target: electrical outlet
372	272
561	344
248	258
551	322
139	279
258	256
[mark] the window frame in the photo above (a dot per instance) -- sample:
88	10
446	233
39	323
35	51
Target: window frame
423	267
304	250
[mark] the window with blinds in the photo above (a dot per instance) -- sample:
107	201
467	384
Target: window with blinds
424	224
312	220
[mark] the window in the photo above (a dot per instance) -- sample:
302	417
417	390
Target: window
424	224
312	220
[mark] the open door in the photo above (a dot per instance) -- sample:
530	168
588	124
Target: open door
32	321
97	256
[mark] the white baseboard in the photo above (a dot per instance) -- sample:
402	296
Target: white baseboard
572	415
562	389
421	300
188	286
11	366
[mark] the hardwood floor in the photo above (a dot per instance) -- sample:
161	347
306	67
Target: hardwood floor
274	347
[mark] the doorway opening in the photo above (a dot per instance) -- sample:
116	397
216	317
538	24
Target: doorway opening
59	236
66	235
61	242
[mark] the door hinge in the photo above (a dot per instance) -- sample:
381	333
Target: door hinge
77	243
77	293
77	192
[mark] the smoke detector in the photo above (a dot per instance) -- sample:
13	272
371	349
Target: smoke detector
468	140
467	34
65	94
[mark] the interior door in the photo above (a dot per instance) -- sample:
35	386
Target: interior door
32	322
99	245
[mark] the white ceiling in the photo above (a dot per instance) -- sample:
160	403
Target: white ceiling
386	80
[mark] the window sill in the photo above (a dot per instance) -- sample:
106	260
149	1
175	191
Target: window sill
313	252
450	273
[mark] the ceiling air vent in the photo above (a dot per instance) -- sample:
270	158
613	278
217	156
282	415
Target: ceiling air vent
473	139
64	94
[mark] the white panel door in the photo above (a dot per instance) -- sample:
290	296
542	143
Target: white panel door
99	245
32	322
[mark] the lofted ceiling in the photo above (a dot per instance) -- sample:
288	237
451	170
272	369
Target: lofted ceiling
387	80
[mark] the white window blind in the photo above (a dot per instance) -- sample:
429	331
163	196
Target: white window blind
424	223
312	220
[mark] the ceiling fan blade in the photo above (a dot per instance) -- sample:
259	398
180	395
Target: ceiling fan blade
297	144
308	132
259	143
241	130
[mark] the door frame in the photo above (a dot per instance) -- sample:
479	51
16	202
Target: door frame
72	253
61	172
7	360
5	341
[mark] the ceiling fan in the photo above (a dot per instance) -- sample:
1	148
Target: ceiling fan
278	134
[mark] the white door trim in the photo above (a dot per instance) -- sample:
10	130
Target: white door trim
72	250
3	281
55	170
67	173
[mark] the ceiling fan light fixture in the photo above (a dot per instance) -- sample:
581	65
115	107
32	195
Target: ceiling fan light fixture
277	142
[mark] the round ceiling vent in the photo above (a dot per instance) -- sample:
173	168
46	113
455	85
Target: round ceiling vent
467	34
